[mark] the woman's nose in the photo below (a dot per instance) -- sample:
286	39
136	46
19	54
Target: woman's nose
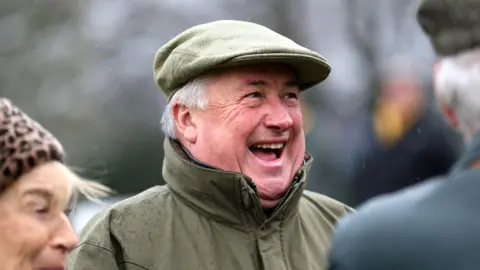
65	237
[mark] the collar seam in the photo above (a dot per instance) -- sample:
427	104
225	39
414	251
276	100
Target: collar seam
200	212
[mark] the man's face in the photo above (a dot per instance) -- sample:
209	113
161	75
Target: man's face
252	125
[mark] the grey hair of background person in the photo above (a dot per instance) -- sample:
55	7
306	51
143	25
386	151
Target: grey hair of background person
457	85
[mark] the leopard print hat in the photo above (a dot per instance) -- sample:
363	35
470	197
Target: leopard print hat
24	144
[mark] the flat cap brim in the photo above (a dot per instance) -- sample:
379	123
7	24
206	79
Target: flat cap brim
225	44
309	70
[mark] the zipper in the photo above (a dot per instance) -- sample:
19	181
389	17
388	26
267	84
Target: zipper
285	198
282	202
259	213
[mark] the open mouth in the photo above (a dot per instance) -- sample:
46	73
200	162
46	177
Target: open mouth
267	152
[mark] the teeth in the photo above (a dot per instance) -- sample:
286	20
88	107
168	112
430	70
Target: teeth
269	146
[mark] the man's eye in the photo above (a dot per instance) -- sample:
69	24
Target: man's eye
292	96
254	95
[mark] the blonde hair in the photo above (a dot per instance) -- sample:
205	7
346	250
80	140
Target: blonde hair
91	190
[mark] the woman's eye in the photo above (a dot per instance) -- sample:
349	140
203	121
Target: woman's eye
39	208
68	211
254	95
42	210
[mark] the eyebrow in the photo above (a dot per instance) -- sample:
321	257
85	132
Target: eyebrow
38	192
69	204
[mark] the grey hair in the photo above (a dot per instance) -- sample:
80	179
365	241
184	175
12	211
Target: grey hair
457	85
192	95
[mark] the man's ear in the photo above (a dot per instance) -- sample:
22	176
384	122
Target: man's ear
449	114
184	123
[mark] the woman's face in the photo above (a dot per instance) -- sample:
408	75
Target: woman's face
35	233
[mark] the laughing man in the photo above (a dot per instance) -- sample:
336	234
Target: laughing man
235	163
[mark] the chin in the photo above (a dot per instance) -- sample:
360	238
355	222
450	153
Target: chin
269	204
271	189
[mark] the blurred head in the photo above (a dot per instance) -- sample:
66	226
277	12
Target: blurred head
401	86
36	193
457	88
452	28
246	119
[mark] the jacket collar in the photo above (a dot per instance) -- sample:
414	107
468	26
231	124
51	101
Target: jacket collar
469	157
225	196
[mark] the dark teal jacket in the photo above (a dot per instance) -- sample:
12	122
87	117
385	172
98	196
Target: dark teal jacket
431	226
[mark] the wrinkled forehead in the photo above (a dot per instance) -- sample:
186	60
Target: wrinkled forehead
47	180
262	71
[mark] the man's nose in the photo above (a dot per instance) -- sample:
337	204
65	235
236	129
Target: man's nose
278	117
65	237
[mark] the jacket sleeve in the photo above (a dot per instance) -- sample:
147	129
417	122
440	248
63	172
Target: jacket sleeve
97	250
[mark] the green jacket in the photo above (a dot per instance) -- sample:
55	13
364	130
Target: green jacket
209	219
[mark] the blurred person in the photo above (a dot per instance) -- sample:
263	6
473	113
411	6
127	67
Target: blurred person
235	162
408	141
36	193
363	45
433	225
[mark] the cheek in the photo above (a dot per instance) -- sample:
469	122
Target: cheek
240	123
21	240
246	125
297	116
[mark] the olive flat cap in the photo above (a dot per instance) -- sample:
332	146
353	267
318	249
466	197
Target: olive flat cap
453	26
229	43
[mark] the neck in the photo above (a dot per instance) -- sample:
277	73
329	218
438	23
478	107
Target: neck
225	196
